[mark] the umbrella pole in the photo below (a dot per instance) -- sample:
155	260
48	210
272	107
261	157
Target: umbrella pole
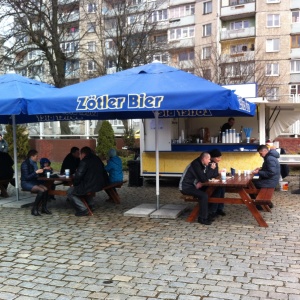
15	156
156	159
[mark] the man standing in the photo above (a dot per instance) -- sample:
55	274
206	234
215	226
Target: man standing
198	171
89	178
228	124
3	144
71	161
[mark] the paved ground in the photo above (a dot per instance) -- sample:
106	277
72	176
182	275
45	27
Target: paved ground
109	256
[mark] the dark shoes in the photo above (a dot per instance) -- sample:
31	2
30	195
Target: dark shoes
82	213
46	211
204	221
220	212
35	212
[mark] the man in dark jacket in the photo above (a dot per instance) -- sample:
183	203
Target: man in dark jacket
6	172
269	173
198	171
71	161
90	177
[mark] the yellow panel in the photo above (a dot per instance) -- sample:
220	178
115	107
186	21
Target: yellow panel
176	162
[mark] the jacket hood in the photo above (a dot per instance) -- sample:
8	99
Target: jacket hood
274	153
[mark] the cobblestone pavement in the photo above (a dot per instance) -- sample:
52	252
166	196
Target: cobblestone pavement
110	256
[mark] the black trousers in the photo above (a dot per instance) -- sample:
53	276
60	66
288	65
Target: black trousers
202	199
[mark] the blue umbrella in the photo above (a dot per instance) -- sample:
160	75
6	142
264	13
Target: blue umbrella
15	90
138	92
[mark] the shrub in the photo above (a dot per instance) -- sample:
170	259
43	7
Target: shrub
106	140
22	141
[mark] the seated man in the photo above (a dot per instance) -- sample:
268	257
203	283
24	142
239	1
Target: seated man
71	161
217	208
6	172
89	178
198	171
269	173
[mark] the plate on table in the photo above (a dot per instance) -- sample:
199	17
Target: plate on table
214	180
61	176
256	177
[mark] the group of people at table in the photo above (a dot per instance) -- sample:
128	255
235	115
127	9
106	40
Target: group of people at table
205	167
89	175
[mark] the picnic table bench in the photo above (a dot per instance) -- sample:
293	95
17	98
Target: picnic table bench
241	185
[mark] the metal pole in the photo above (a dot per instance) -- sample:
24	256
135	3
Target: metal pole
156	159
15	156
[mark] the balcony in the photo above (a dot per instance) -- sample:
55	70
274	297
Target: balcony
182	21
184	43
295	53
294	4
240	11
238	57
295	28
236	34
178	2
294	77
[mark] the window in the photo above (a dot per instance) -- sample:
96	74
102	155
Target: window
273	20
207	7
135	19
91	27
206	30
109	44
272	69
295	41
238	48
181	33
295	66
72	66
182	11
207	74
272	45
164	57
91	66
187	55
92	7
136	2
91	46
272	93
206	52
159	15
69	47
238	70
33	54
295	16
161	39
239	25
73	30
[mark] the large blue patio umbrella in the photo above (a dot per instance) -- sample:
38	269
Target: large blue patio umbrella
15	90
153	90
138	92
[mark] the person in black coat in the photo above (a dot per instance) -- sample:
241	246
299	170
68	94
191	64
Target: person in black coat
269	173
71	161
197	172
6	172
90	177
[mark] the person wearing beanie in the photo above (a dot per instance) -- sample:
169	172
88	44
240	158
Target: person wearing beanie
217	209
3	144
114	168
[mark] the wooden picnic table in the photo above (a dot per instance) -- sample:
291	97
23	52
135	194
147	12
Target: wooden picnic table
240	185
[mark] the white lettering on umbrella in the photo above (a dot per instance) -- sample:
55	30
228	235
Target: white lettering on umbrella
93	102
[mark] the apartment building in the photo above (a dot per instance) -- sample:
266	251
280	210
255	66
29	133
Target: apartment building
243	41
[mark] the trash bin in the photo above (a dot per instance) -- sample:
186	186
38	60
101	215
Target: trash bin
134	178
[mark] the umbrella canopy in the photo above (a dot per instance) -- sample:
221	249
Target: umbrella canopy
15	90
138	92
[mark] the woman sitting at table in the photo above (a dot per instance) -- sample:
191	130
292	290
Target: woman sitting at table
29	182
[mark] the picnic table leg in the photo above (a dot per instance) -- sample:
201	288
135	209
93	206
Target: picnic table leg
249	203
113	194
194	214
